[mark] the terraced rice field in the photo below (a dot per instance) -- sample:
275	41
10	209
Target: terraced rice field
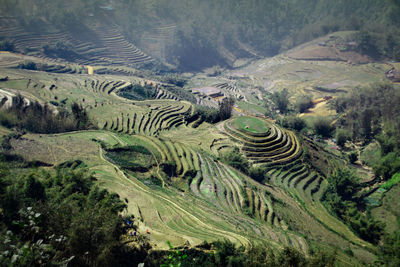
263	142
219	189
98	95
109	48
205	199
279	151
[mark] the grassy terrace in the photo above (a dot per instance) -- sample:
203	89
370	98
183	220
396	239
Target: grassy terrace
280	151
251	125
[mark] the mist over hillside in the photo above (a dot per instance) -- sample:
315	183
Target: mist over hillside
194	34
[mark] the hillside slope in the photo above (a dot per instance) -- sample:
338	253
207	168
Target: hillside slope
185	193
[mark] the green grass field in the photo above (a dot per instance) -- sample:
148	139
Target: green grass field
250	124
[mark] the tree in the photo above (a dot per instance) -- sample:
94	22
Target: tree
341	137
281	100
303	103
236	160
80	115
34	189
293	122
390	250
322	126
225	108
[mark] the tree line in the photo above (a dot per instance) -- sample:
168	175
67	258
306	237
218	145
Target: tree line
38	118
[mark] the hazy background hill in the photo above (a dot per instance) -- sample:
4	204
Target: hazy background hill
194	34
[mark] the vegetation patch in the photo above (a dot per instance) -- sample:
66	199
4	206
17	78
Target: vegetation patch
138	92
392	182
134	158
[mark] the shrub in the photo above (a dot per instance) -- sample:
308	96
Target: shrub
40	118
353	157
7	45
293	122
281	100
341	195
341	137
388	166
207	114
303	103
235	159
29	65
138	92
257	173
322	126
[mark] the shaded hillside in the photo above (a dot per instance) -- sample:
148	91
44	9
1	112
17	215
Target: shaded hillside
193	34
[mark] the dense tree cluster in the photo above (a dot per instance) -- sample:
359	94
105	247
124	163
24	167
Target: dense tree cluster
293	122
212	115
281	100
38	118
341	195
138	92
371	112
228	254
59	218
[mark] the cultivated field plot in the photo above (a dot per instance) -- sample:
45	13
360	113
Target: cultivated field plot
201	198
281	153
103	44
217	202
97	94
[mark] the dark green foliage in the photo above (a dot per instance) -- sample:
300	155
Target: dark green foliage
281	100
134	158
29	65
369	110
341	137
379	42
258	173
54	218
293	122
212	115
225	253
39	118
60	50
174	78
7	45
322	127
371	113
353	157
207	114
389	251
236	160
34	189
81	117
303	103
343	201
225	108
388	166
344	183
169	168
138	92
175	257
181	93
